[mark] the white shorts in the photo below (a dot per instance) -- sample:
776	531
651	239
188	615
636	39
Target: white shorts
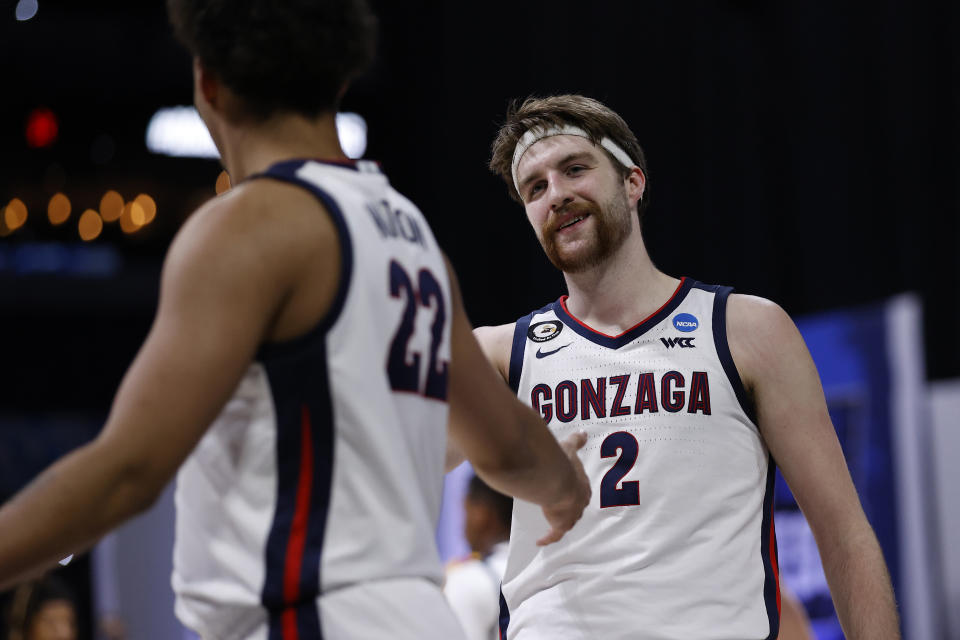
395	609
399	609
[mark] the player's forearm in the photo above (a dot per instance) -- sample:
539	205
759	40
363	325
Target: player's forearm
532	466
65	510
860	586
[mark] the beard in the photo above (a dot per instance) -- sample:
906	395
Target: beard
611	226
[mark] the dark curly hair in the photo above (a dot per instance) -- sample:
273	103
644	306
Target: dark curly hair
279	55
28	600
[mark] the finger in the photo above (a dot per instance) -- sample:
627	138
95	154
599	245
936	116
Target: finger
575	441
552	536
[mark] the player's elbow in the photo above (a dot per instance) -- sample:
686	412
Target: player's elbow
133	484
136	493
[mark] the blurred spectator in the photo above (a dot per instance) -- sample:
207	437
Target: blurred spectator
473	584
45	609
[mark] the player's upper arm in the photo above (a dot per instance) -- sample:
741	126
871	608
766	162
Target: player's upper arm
484	414
781	378
496	342
224	280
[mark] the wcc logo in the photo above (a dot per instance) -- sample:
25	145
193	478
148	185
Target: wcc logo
685	343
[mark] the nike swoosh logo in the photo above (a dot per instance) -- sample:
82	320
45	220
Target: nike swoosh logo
543	354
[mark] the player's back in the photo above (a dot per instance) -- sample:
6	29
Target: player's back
311	502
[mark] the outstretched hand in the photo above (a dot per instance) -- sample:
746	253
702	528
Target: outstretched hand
564	513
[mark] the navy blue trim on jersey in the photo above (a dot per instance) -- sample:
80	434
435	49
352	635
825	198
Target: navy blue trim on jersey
300	388
519	346
723	347
286	172
289	167
768	551
615	342
504	616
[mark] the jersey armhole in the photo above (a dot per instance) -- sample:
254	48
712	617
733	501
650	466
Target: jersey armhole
723	351
274	349
516	352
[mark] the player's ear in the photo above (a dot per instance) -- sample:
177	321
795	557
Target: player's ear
206	85
636	184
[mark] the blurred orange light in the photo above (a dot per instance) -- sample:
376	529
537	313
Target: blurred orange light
132	218
58	210
149	207
111	206
223	182
90	225
15	214
41	128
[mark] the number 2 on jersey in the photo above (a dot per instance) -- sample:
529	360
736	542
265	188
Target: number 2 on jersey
404	372
629	492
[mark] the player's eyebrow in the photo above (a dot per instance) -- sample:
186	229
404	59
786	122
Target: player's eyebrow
567	159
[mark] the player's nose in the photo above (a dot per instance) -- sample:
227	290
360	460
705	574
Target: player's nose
559	193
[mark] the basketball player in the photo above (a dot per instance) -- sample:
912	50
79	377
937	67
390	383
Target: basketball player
472	585
688	394
308	340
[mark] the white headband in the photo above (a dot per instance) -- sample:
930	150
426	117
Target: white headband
532	136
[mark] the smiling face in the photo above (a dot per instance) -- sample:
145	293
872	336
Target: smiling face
579	206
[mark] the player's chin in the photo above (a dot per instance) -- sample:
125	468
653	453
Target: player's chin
573	257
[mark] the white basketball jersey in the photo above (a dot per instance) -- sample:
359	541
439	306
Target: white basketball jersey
324	471
677	541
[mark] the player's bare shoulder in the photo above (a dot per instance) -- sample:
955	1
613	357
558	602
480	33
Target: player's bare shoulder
264	216
496	343
760	334
289	214
263	234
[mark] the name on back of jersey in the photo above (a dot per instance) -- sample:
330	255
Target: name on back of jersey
621	395
395	224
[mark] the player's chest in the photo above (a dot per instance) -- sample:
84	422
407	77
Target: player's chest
574	379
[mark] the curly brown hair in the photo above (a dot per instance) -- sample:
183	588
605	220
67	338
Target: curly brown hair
279	55
594	117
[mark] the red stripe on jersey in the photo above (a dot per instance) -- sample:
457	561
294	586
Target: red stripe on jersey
773	557
288	624
563	303
298	529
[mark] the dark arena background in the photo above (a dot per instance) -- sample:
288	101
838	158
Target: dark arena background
804	152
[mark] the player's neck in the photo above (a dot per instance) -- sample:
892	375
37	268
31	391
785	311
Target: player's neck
250	149
621	292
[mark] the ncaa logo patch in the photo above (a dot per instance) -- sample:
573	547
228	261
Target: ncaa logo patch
685	322
543	331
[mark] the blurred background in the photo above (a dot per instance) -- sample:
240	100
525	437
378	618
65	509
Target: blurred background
804	152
